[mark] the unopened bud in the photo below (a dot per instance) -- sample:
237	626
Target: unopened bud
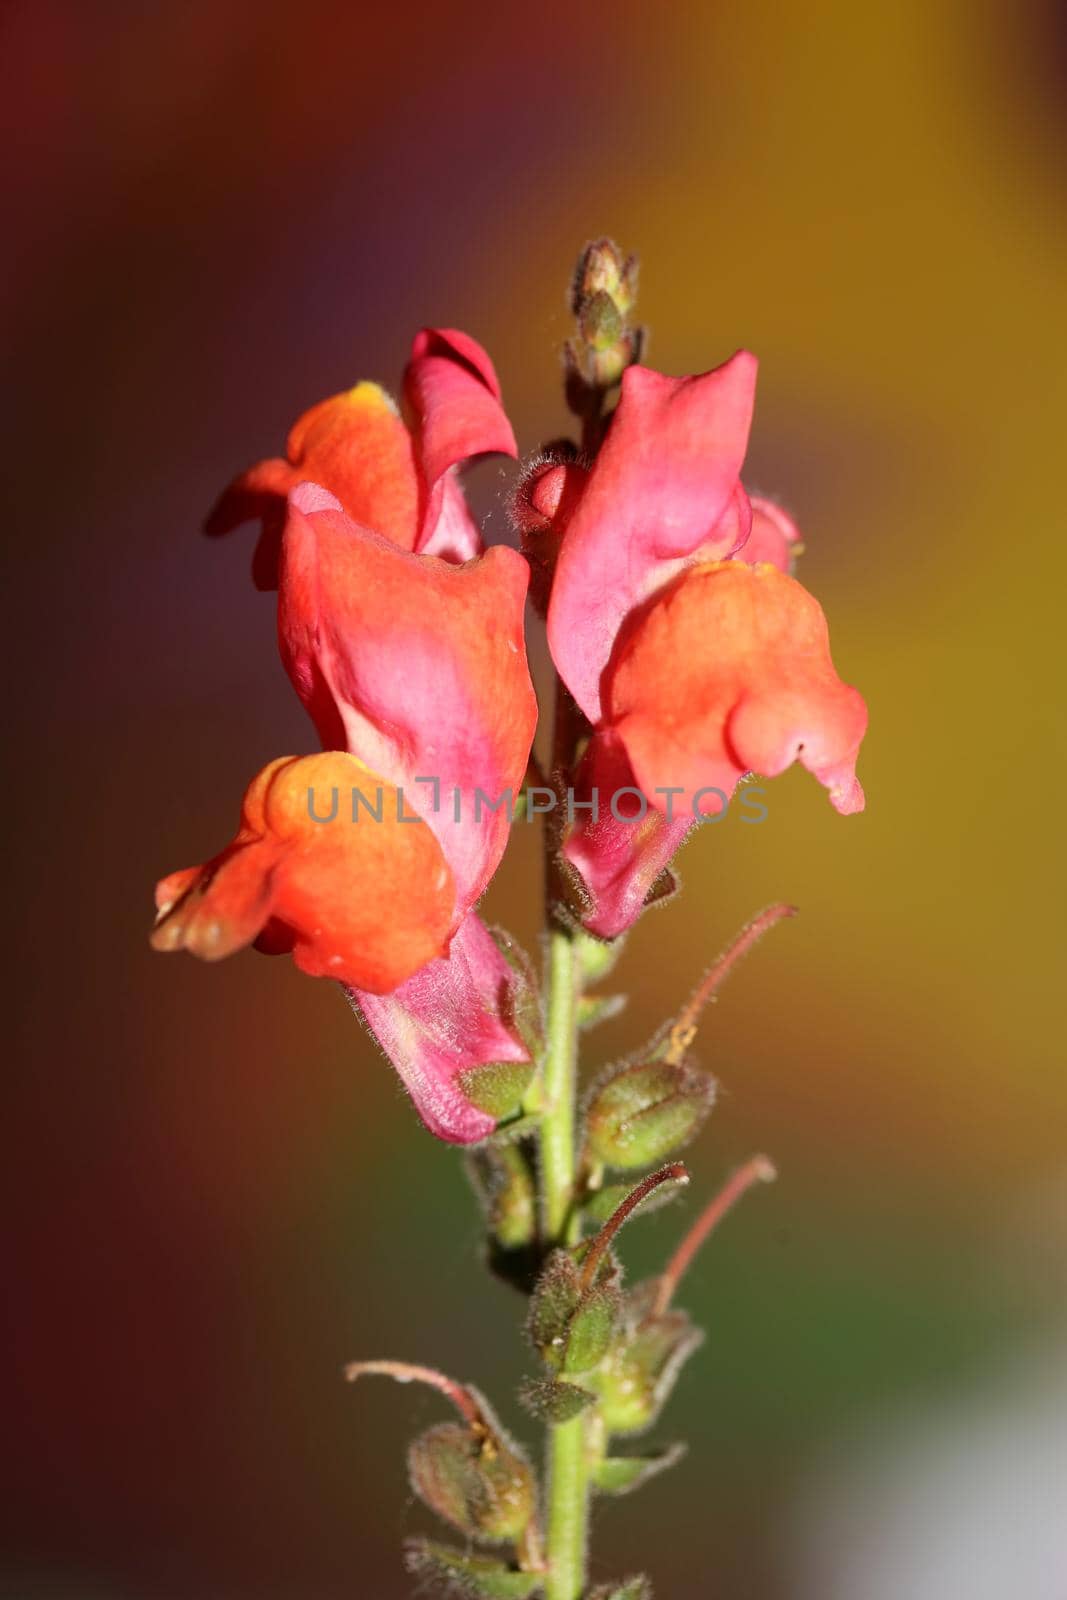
600	321
603	294
603	269
477	1482
642	1113
571	1323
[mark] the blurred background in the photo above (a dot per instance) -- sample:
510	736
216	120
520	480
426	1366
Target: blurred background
219	212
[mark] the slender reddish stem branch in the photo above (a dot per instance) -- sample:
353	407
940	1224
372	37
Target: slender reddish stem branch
681	1034
758	1170
675	1173
406	1372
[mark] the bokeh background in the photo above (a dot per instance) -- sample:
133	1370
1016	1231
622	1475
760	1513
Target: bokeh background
218	212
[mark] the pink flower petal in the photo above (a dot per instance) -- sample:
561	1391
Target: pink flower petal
451	388
618	861
445	1020
664	492
775	537
415	666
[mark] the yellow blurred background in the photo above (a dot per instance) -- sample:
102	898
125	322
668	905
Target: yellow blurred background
217	214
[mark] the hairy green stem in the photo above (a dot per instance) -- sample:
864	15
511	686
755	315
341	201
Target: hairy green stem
568	1489
558	1121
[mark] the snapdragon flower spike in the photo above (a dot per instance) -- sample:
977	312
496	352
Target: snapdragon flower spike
396	480
366	905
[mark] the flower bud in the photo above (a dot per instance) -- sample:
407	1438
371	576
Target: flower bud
474	1480
603	269
571	1322
600	322
603	295
641	1113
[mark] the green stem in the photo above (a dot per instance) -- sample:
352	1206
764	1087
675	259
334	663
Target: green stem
557	1123
568	1511
568	1489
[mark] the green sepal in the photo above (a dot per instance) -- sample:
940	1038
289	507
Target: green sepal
637	1588
598	956
517	1128
554	1302
554	1402
521	1003
635	1381
497	1087
617	1475
596	1008
460	1574
665	887
591	1328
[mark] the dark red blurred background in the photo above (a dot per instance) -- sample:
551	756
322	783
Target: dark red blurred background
218	213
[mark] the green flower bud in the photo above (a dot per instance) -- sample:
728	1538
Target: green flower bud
639	1114
473	1479
600	322
603	269
571	1326
603	293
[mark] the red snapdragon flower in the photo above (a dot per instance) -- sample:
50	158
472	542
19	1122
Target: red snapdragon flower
675	625
413	669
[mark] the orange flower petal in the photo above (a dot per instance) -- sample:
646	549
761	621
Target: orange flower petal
365	901
729	671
